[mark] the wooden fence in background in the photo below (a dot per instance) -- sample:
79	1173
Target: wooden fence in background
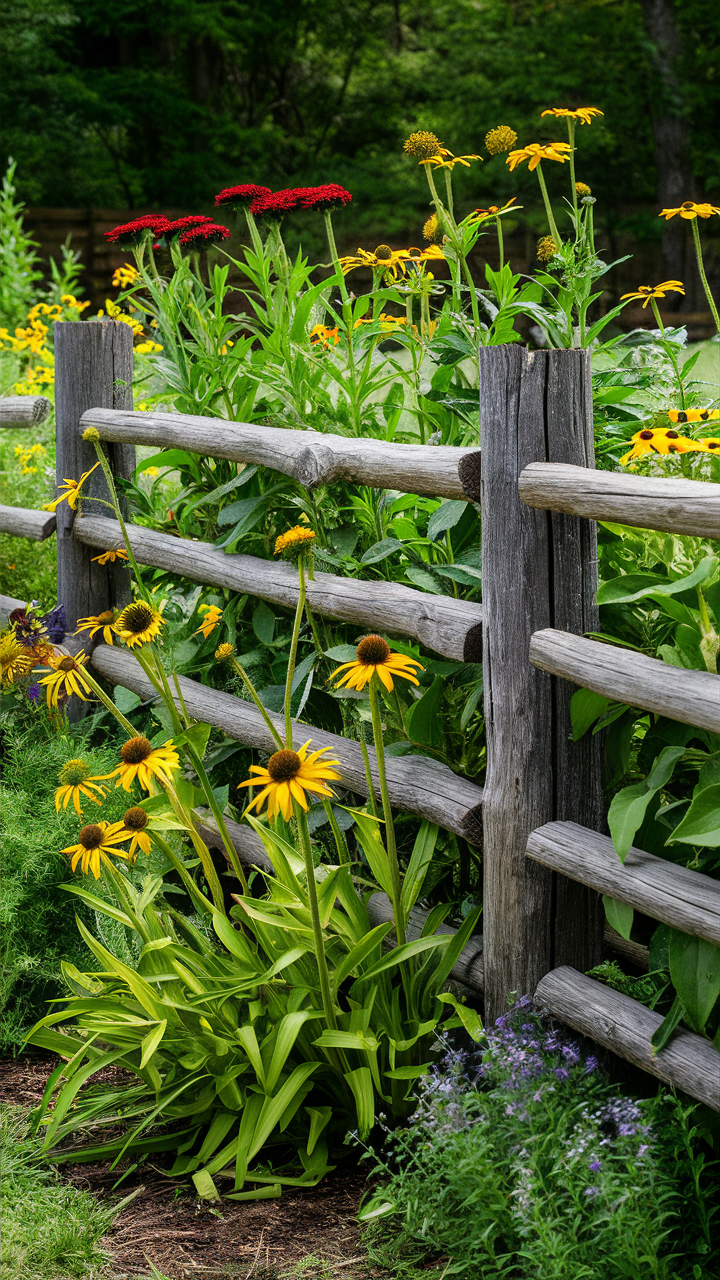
539	818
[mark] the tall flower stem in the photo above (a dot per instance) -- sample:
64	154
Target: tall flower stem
292	660
571	124
238	667
548	207
334	255
92	435
501	244
703	277
198	897
368	777
109	704
320	957
668	348
121	888
254	233
230	849
387	812
340	841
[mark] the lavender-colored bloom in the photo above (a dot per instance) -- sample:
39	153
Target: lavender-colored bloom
55	622
591	1064
592	1192
33	693
562	1073
595	1165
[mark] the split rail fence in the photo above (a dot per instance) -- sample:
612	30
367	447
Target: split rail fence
539	818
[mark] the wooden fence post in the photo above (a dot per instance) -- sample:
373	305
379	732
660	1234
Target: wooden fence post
539	569
93	369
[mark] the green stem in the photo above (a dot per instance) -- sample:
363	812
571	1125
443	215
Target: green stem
109	704
299	610
320	957
368	776
254	695
199	846
448	189
501	244
254	233
230	849
342	849
196	894
473	298
387	813
571	156
102	459
313	627
334	254
548	207
703	277
125	899
670	353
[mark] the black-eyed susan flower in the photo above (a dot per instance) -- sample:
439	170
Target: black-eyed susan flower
660	440
492	211
95	842
138	623
546	248
76	780
446	160
500	140
67	677
72	492
646	292
289	774
693	415
537	151
104	622
323	335
689	210
375	656
294	542
134	822
15	662
124	276
381	259
109	557
211	620
711	443
139	759
422	145
583	114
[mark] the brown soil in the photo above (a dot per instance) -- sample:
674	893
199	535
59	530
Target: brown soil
167	1225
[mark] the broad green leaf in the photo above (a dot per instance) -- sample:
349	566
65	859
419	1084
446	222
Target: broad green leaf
420	859
319	1118
471	705
272	1192
376	1208
263	622
675	1015
619	915
143	992
196	737
695	973
628	807
273	1108
286	1033
701	823
585	708
205	1186
456	943
406	952
380	550
368	836
407	1073
636	586
169	459
98	904
346	1040
249	1041
222	1123
470	1018
359	953
235	941
445	517
151	1042
361	1083
423	719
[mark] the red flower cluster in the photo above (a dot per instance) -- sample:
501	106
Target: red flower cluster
201	237
242	196
294	199
130	233
184	224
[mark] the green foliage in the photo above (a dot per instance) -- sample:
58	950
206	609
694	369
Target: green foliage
19	261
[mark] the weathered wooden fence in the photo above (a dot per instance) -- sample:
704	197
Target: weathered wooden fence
539	818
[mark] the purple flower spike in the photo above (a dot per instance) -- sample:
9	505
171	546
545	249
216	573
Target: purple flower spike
33	693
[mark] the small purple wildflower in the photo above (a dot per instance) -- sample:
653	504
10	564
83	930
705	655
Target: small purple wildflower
592	1192
33	693
595	1165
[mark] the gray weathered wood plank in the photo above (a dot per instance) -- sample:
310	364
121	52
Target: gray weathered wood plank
416	784
665	891
618	1023
23	522
646	502
311	457
450	627
23	411
692	697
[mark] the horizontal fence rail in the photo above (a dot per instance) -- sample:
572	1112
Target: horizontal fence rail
626	1027
24	522
646	502
450	627
692	697
416	784
23	411
311	457
672	894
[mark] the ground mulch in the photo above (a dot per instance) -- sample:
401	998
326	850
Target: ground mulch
167	1225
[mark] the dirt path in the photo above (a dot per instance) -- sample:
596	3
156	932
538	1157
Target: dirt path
167	1225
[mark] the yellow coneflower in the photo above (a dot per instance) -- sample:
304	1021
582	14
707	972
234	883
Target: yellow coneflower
693	415
124	276
288	776
109	557
546	248
294	542
374	655
67	678
15	661
138	623
104	622
134	822
139	759
689	210
583	114
94	843
660	440
381	259
711	443
500	140
536	151
492	211
75	781
422	145
582	189
321	333
211	620
72	491
224	652
645	292
446	160
432	230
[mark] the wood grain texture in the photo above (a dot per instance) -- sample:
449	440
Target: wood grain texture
416	784
447	626
692	697
23	411
665	891
311	457
618	1023
93	366
534	568
646	502
23	522
635	952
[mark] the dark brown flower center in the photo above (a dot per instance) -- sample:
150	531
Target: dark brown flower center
135	751
284	765
373	650
137	618
646	435
383	253
67	664
672	435
90	837
135	819
688	204
713	445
